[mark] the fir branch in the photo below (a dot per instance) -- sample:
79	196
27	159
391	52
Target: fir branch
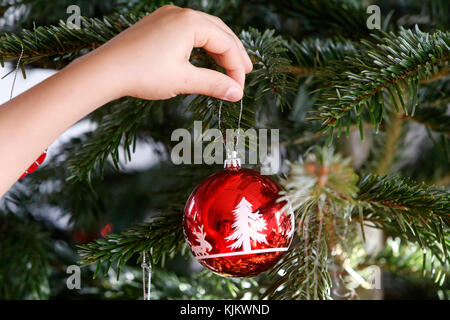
413	211
271	71
163	235
24	264
117	128
164	232
396	61
311	54
62	40
325	193
404	194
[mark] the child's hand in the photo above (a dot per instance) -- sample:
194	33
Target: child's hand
151	59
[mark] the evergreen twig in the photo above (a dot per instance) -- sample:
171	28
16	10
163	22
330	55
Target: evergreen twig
378	72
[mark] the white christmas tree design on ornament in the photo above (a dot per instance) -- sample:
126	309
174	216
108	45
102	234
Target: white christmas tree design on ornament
247	226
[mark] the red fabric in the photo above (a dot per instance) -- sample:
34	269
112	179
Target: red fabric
35	165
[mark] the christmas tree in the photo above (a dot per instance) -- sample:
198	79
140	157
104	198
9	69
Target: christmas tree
359	91
246	226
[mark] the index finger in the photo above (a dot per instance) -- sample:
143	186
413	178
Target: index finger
221	24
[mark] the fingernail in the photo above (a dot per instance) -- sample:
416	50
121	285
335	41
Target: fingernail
233	94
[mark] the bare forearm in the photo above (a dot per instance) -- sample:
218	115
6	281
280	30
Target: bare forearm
33	120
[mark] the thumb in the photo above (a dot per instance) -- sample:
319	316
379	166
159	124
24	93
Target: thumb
211	83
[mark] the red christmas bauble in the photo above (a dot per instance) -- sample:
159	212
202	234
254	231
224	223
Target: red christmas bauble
234	225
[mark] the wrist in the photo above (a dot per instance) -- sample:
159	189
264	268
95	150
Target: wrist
98	77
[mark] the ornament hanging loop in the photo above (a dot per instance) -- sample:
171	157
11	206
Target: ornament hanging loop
232	159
